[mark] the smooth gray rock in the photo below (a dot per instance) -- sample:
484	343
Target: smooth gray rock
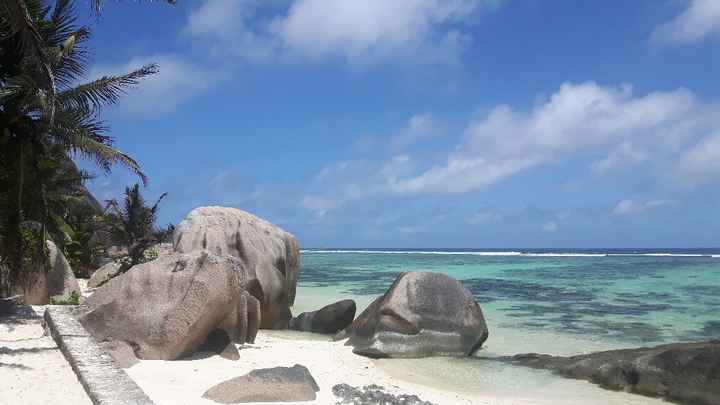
422	314
684	372
58	282
278	384
269	253
165	309
103	274
121	352
330	319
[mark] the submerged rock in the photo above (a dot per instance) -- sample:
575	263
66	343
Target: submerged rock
373	395
269	253
278	384
58	282
330	319
165	309
684	372
421	315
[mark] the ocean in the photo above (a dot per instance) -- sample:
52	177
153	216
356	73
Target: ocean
555	301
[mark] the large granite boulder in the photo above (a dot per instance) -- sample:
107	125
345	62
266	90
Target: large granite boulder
421	315
58	282
103	274
278	384
166	309
271	254
329	319
685	372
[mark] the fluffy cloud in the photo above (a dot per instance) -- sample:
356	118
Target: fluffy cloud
579	118
630	207
701	19
177	81
354	30
672	130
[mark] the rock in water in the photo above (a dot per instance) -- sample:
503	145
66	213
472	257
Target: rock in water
58	282
330	319
421	315
684	372
278	384
165	309
103	274
268	252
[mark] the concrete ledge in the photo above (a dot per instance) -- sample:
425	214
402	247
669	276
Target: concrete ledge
104	382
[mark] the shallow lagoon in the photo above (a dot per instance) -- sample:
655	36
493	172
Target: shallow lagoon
550	302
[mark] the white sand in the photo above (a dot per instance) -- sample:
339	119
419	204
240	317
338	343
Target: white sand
32	369
330	363
441	380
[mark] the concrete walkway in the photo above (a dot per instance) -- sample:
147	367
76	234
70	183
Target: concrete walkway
32	368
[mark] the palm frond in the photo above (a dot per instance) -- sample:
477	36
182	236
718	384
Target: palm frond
104	91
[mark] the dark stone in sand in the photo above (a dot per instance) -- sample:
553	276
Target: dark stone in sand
8	306
373	395
422	314
329	319
684	372
278	384
219	342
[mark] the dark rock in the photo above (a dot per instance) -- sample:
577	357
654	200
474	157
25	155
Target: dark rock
372	395
421	315
8	306
330	319
684	372
165	309
278	384
219	342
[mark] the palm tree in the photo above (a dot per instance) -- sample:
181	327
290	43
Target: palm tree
132	226
45	118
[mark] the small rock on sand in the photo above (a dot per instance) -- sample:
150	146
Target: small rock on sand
278	384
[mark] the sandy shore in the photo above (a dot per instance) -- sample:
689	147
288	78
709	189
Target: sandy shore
330	363
32	369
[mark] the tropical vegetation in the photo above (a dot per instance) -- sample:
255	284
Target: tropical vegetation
48	117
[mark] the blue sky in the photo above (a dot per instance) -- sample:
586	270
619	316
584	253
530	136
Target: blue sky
427	123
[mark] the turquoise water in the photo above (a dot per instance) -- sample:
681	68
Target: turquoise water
538	301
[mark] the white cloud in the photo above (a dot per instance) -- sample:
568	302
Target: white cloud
578	118
550	226
354	30
700	20
702	161
624	155
176	82
672	133
419	126
411	229
631	207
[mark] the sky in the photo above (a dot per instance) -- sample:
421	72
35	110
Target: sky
426	123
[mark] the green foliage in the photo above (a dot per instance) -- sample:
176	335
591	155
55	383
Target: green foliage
132	226
46	119
73	300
